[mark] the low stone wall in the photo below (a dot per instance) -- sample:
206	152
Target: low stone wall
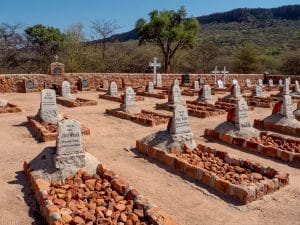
15	82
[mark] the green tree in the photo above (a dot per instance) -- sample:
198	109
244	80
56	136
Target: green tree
45	42
169	30
291	63
246	59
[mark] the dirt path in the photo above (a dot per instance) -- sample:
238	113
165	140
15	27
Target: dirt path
189	203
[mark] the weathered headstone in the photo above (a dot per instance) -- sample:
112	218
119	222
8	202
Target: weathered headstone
286	87
150	87
69	149
248	83
260	82
185	78
48	108
220	84
29	84
206	95
66	90
85	84
3	102
180	120
297	88
270	82
196	86
280	82
237	91
201	81
129	101
113	89
241	116
234	81
258	91
158	81
176	93
287	107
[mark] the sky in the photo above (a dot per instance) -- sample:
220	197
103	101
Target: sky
62	13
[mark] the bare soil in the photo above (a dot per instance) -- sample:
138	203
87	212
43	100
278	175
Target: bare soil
110	141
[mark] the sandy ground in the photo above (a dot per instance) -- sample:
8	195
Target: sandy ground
188	202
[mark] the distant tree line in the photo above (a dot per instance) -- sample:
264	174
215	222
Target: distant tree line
177	41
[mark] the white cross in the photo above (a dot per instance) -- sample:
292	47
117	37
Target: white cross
224	72
56	58
155	64
215	72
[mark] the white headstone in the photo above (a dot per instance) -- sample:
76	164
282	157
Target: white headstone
202	81
286	87
69	150
248	83
225	73
220	84
150	87
287	107
158	80
48	108
234	81
271	83
241	118
3	102
237	91
113	89
260	82
297	88
129	101
206	95
258	90
280	82
196	85
176	93
180	120
66	90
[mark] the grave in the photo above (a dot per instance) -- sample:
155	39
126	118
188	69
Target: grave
220	88
57	68
156	79
56	173
192	91
248	83
215	72
185	79
205	95
196	86
149	92
28	86
280	82
6	107
129	111
225	73
83	85
258	91
43	126
69	100
260	82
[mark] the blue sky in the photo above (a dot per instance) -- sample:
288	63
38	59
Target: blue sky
61	13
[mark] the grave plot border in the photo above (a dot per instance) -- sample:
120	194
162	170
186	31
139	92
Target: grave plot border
74	103
242	194
152	95
10	108
261	124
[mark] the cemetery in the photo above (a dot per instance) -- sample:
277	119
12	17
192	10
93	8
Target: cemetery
173	118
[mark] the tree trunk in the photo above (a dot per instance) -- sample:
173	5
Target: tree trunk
167	64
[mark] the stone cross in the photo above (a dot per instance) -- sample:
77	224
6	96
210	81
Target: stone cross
66	90
176	93
237	91
56	58
206	95
155	65
286	87
258	90
113	89
241	114
248	83
260	82
220	84
3	103
196	85
48	108
280	82
158	83
287	107
224	72
297	88
129	101
69	149
270	82
215	72
150	87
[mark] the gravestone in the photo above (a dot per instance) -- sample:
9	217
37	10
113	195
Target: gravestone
260	82
248	83
201	81
185	78
237	91
176	93
258	91
215	72
56	68
3	103
150	87
225	73
280	82
158	83
69	149
270	82
287	107
206	95
83	85
196	86
66	90
113	89
297	88
129	101
241	114
286	87
220	84
155	65
234	81
105	84
48	108
29	85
